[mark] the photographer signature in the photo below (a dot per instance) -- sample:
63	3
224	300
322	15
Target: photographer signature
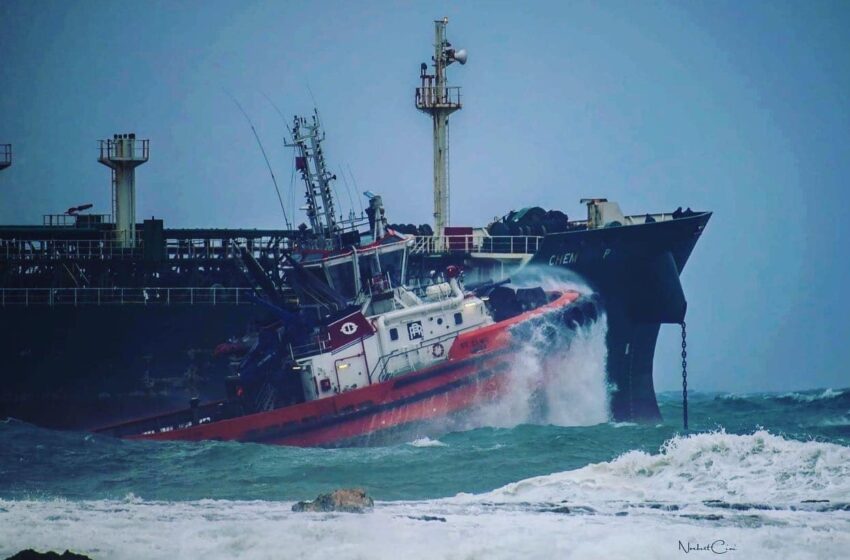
717	547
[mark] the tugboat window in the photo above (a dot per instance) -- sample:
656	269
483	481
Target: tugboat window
342	279
458	318
440	321
393	334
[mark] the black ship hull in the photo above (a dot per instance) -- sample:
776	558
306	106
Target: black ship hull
635	269
81	367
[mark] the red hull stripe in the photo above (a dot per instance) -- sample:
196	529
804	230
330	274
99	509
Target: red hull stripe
436	407
276	433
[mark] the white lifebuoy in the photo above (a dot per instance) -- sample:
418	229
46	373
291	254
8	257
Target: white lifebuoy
437	350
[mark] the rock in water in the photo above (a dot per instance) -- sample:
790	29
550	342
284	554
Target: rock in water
30	554
353	500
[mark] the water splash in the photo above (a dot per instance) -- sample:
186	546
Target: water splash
558	375
551	278
426	442
562	385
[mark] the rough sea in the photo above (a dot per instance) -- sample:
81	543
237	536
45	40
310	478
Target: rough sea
758	476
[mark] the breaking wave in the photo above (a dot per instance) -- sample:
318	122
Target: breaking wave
755	468
808	397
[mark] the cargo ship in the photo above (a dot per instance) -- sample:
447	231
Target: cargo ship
106	318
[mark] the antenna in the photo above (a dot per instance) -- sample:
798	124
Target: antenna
265	157
279	112
356	188
435	98
348	190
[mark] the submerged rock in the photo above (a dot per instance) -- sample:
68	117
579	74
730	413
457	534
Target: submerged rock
348	500
30	554
427	518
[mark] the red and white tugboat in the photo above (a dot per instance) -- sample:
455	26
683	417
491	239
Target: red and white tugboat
394	361
354	350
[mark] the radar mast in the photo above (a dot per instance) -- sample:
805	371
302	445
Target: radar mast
307	138
438	100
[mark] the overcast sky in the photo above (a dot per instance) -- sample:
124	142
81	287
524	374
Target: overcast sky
737	107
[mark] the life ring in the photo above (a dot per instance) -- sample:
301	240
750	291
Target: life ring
437	350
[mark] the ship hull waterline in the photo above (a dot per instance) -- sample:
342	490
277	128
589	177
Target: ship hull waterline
476	373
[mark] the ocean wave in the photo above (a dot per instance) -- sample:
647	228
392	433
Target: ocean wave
733	397
834	422
426	442
808	397
755	468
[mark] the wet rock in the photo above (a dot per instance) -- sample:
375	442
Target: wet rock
348	500
427	518
30	554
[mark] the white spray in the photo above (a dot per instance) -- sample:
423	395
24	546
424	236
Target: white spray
562	383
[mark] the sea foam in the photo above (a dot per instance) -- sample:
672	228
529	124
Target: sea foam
755	468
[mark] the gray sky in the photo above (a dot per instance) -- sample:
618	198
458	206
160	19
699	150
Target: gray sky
737	107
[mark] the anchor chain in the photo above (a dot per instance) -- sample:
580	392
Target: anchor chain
685	375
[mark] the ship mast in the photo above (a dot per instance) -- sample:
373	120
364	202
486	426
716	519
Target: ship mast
307	138
437	99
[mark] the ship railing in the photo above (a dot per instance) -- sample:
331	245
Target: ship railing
130	148
638	219
383	372
51	249
124	296
193	416
318	345
432	97
74	220
175	249
225	248
476	243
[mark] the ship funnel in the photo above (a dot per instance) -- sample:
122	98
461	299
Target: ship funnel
123	154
